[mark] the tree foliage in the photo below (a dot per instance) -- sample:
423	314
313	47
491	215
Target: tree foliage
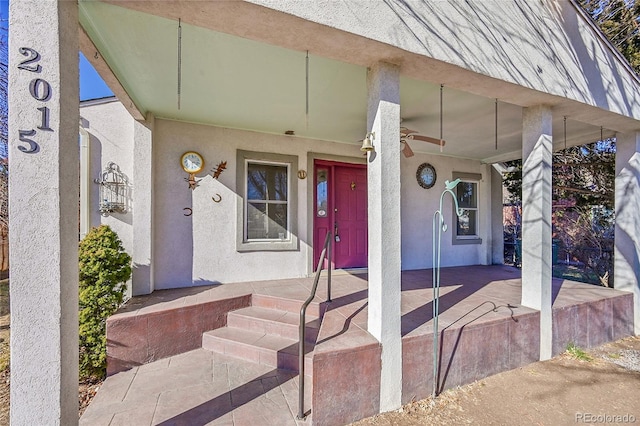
4	131
619	20
581	175
583	180
104	269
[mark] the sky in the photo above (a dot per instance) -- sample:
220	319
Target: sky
91	85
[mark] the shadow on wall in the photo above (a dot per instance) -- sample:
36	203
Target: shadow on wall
461	29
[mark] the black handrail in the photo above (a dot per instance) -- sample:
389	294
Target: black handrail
326	251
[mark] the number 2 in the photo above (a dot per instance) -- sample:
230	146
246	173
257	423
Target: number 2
32	56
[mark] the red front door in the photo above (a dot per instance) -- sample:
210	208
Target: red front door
341	206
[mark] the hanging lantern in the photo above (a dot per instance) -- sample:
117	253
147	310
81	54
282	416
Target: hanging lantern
113	190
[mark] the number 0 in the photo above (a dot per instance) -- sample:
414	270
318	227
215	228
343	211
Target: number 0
40	89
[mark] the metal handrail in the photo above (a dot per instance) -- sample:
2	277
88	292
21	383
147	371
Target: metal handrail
326	251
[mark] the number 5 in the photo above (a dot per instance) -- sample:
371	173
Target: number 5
33	145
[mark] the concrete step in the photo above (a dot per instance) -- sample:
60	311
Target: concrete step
315	309
255	346
274	322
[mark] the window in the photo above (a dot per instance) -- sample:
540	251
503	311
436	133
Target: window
467	194
321	193
467	225
267	207
269	201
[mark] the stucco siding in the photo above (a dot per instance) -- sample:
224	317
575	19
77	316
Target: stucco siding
110	129
202	248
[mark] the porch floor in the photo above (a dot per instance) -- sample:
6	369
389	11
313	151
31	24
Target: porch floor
200	387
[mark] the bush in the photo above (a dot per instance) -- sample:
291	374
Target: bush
104	269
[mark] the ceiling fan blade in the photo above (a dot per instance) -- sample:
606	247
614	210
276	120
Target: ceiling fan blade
428	139
406	149
405	131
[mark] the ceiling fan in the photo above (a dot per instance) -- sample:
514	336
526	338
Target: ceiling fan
407	134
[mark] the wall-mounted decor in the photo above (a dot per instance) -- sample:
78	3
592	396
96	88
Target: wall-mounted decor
187	211
426	175
192	163
217	200
219	169
302	174
192	181
113	190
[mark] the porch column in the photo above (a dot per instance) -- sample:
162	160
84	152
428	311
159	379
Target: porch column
383	174
142	274
497	224
537	150
627	230
43	201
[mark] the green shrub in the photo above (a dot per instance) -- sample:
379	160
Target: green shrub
104	269
577	352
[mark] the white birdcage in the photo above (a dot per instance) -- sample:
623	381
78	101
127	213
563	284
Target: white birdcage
113	190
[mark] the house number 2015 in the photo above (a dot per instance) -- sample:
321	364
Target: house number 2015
40	90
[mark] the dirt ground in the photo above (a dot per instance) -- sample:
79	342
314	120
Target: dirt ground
562	391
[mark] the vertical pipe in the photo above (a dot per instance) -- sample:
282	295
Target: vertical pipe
301	363
329	255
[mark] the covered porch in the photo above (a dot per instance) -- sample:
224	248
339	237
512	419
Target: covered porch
288	83
483	329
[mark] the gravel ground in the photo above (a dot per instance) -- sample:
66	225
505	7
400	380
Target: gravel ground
627	358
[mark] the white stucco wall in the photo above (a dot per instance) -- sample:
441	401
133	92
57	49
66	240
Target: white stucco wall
209	235
201	249
110	128
419	205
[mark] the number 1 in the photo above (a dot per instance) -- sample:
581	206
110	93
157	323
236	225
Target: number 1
44	125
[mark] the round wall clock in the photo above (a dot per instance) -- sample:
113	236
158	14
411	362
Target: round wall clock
192	162
426	175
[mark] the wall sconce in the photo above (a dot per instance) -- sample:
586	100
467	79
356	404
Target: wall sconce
367	144
113	190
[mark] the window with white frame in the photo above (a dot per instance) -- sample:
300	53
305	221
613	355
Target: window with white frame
467	225
268	201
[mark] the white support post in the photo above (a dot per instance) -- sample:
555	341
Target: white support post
537	153
383	173
496	221
142	276
43	201
85	182
627	230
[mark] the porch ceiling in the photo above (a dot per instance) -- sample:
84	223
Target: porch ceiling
236	82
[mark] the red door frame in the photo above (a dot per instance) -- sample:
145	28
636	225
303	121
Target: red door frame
327	223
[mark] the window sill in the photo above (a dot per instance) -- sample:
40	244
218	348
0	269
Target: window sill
466	241
268	246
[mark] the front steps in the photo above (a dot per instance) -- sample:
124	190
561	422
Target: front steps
267	333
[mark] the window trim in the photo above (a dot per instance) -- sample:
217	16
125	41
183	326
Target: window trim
244	244
467	239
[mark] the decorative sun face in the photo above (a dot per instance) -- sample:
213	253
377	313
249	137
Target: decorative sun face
192	162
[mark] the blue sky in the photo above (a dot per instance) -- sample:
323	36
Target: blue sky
91	85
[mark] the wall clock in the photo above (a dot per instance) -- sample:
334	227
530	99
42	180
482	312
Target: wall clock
192	162
426	175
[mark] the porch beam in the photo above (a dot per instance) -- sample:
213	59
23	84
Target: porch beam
537	149
43	206
627	228
142	277
383	174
